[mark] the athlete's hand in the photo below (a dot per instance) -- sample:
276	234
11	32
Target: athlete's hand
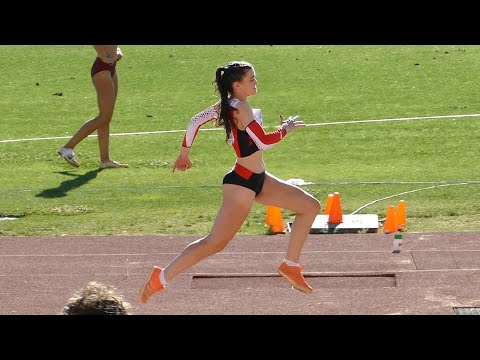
119	54
182	163
291	123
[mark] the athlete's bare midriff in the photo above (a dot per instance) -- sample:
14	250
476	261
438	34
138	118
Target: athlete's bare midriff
253	162
107	53
248	140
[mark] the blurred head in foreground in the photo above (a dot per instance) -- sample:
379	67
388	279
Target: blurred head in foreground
96	299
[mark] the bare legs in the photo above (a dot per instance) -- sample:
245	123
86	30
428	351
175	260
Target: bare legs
107	90
236	206
279	193
237	203
106	96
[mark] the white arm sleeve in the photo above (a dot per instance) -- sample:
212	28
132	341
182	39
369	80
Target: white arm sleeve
196	122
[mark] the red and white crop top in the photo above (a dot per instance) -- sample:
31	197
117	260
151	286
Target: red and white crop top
245	142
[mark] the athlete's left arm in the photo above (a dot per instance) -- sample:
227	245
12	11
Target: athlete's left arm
265	140
119	54
262	139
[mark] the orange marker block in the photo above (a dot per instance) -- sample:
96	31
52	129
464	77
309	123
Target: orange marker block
274	219
390	226
401	216
335	215
268	219
328	206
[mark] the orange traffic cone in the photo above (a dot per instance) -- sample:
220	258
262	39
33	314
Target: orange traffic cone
335	215
401	216
274	219
328	206
390	225
268	219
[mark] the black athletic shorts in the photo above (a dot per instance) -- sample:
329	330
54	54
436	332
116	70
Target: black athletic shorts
240	175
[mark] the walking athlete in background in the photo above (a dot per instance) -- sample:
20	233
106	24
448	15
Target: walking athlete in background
105	79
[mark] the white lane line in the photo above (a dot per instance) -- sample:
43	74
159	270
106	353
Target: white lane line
397	119
213	129
409	192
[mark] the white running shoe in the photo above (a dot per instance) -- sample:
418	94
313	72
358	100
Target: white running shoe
68	155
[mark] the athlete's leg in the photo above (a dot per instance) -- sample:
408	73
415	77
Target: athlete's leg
236	206
279	193
106	102
107	91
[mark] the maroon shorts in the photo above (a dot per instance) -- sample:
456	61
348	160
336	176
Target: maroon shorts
99	65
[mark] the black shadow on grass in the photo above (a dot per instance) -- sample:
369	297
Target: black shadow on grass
68	185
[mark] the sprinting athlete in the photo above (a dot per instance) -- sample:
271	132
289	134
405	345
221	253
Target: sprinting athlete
246	183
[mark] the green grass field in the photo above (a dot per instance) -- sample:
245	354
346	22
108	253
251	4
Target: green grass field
432	164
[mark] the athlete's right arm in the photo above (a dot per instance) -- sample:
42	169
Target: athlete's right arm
196	122
183	162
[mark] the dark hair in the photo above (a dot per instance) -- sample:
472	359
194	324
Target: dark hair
96	299
224	79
